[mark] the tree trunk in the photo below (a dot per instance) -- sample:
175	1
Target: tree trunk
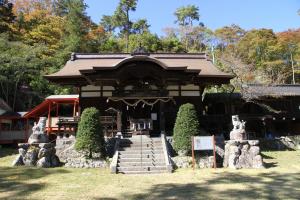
127	30
15	95
293	70
90	153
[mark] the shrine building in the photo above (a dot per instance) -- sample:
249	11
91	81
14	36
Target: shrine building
139	93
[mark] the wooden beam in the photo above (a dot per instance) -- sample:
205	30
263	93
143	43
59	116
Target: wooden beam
79	99
57	104
26	130
49	118
74	109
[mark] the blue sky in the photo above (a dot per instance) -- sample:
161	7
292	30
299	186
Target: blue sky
278	15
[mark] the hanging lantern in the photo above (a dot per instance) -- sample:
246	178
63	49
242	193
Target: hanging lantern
127	107
107	100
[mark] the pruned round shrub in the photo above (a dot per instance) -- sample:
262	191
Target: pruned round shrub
186	126
89	137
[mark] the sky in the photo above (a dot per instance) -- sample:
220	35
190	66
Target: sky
278	15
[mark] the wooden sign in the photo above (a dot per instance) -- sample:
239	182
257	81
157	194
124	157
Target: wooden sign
201	143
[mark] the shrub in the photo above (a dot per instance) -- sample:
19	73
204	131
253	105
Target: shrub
186	125
90	138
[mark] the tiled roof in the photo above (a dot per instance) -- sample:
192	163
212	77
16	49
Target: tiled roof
255	91
197	61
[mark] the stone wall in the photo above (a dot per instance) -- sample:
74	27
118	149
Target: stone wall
281	143
203	159
242	154
66	152
187	161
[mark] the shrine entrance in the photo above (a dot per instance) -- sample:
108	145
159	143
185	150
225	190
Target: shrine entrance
142	115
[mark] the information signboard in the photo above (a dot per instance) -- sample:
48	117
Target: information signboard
202	143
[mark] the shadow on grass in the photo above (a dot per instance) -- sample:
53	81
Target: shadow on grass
15	182
270	164
8	151
264	156
229	185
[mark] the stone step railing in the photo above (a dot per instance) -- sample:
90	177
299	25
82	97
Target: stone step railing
114	162
169	165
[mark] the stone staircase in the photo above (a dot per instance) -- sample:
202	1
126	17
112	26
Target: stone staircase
142	155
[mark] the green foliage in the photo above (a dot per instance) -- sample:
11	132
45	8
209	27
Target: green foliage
7	17
40	35
141	26
122	19
90	138
107	22
76	25
186	126
20	65
150	41
111	45
258	46
230	34
172	44
187	14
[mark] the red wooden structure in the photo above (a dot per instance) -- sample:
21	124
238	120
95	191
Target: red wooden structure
50	108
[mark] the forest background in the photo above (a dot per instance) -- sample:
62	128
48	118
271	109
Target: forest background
37	37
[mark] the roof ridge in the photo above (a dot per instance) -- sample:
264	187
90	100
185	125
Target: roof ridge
78	56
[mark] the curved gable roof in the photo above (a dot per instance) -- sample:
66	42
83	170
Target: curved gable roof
192	62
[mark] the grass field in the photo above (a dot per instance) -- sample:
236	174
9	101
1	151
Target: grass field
280	180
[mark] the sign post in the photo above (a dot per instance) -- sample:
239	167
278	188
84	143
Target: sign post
201	143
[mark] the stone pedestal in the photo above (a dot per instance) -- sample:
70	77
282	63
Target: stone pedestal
242	154
40	155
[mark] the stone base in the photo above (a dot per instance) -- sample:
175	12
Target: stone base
242	154
187	161
37	154
66	152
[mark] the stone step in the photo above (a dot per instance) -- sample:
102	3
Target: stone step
143	168
139	151
143	172
139	148
140	143
156	160
138	155
134	164
143	138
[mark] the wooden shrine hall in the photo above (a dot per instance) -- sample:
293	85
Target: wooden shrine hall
61	112
139	93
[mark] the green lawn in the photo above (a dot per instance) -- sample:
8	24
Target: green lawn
281	180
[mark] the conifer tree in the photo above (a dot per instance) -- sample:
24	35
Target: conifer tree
89	138
186	126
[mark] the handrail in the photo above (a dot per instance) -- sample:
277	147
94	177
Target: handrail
166	153
114	162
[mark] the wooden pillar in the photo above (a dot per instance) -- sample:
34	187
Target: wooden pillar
179	90
119	121
162	117
49	118
79	101
57	109
27	130
74	109
201	90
